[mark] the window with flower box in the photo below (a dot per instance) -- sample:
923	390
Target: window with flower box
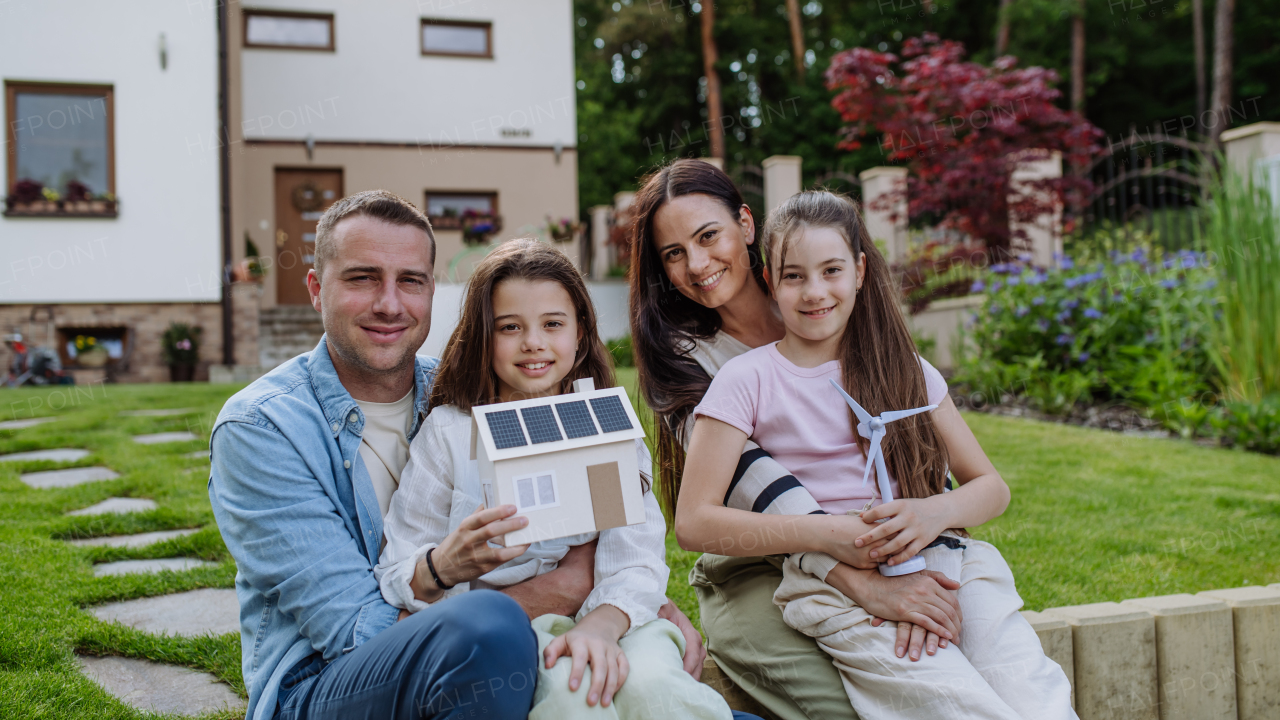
474	213
62	157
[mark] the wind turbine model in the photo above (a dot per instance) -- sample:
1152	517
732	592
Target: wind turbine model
872	428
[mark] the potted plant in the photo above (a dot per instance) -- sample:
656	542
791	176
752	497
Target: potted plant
181	347
478	226
563	229
89	353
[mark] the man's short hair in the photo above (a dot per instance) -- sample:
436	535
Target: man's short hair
377	204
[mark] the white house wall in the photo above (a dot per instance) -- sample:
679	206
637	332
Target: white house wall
165	244
377	86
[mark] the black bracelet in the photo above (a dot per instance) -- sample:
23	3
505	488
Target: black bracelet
434	575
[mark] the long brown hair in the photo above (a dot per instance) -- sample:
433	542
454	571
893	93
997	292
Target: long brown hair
878	361
465	377
664	323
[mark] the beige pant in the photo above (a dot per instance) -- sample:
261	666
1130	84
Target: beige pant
998	670
657	685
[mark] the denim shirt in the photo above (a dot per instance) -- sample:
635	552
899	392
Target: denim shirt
299	514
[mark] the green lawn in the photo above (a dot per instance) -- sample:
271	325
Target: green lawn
1095	516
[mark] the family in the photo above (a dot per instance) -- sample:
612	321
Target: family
345	487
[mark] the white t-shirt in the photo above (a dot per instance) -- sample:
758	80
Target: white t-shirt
384	447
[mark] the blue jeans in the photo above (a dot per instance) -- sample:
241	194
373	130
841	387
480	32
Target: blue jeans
472	656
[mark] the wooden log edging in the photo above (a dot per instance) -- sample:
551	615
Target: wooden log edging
1210	656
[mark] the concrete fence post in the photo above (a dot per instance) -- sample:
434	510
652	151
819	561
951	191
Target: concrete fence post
781	181
1195	656
1115	657
884	208
601	250
1044	233
1256	619
1055	638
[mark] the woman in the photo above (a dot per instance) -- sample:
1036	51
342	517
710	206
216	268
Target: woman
698	299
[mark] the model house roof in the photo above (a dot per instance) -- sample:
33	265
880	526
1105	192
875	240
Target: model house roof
564	422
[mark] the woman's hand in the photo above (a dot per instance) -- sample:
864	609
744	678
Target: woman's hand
694	653
594	640
465	554
926	598
912	524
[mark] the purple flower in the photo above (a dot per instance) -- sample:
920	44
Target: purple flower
1071	282
1168	263
1092	313
1083	356
1038	300
977	286
1001	268
1014	280
1209	284
1035	279
995	309
995	286
1042	325
1021	311
1139	255
1067	263
1188	261
1062	316
1070	303
1169	284
1064	339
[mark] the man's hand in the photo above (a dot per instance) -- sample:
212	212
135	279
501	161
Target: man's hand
561	591
694	653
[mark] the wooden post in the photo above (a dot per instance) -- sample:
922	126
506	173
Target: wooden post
709	59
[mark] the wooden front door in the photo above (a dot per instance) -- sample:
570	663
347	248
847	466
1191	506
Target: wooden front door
301	197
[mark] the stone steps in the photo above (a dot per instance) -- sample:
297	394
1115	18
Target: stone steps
286	331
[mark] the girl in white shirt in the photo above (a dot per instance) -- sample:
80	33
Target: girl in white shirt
528	330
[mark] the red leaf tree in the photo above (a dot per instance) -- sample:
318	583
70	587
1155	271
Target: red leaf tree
955	125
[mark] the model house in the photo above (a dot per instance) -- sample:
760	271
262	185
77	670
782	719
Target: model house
169	163
568	463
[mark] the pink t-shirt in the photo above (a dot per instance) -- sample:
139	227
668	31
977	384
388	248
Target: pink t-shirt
803	422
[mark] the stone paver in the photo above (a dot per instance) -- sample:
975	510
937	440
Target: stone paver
198	455
158	412
160	688
154	565
56	455
25	423
117	506
68	478
164	437
133	541
190	613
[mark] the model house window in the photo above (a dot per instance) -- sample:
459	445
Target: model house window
457	39
62	156
536	492
288	30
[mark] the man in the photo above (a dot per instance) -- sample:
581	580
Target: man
304	464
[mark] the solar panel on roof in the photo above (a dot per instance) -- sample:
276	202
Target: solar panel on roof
576	419
609	412
504	426
541	424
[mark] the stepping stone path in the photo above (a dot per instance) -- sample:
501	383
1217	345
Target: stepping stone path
157	413
56	455
127	567
198	455
21	424
189	613
160	688
68	478
117	506
164	437
133	541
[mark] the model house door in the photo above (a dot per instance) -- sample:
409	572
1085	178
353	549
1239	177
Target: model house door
301	197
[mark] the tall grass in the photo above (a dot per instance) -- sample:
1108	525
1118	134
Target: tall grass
1241	230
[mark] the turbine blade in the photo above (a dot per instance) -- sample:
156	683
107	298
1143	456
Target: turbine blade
892	415
882	477
871	456
861	414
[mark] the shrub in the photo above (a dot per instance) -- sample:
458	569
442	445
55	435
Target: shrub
1131	328
1250	425
621	350
181	344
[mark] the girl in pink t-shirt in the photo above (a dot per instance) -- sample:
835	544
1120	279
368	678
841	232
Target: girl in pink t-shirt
838	302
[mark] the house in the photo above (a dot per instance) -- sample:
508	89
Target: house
568	463
178	156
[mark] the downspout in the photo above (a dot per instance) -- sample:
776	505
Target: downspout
224	167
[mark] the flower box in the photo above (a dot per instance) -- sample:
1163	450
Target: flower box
91	208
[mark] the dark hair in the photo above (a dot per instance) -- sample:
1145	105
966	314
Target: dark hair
377	204
465	377
664	323
878	362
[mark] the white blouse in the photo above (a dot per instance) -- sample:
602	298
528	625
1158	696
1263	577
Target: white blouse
440	487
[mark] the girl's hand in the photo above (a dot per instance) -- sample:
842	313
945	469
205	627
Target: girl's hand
842	544
913	638
912	524
594	640
925	598
465	554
